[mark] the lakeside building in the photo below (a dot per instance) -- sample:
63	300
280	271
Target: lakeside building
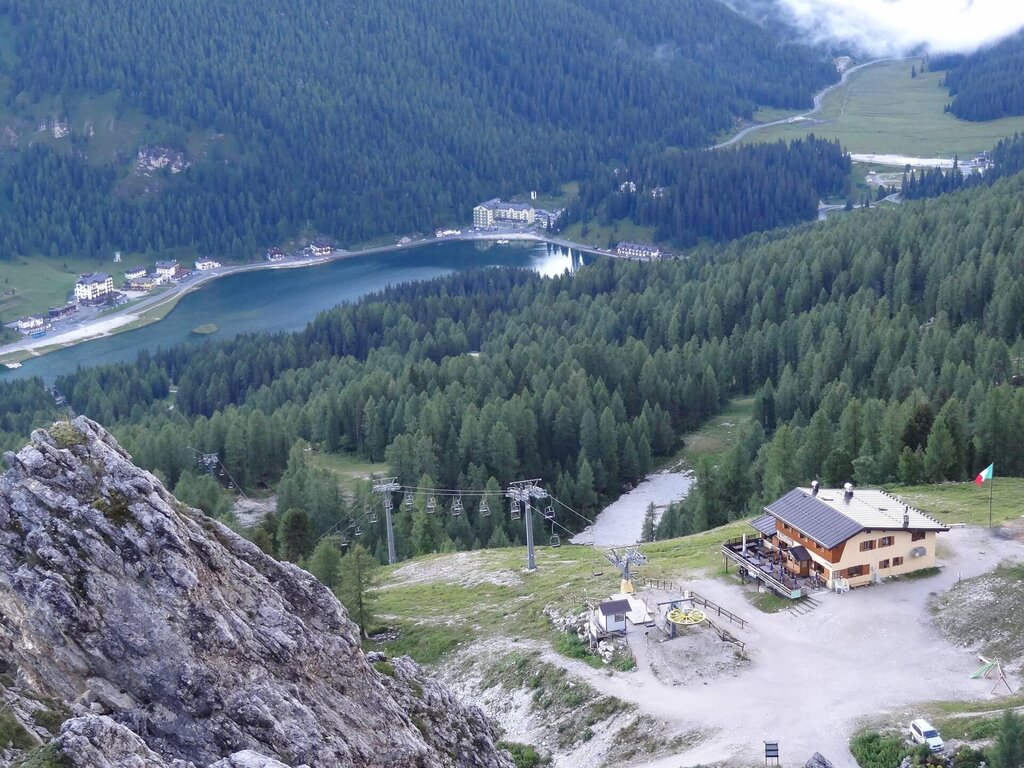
31	323
145	283
204	264
487	214
65	310
134	273
638	251
275	254
837	538
320	247
166	269
93	286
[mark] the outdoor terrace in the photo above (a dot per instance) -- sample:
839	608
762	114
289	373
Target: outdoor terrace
765	564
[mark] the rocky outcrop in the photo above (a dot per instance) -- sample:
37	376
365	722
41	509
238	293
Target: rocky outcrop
151	159
179	643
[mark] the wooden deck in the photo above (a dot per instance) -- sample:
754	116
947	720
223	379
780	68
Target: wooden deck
760	568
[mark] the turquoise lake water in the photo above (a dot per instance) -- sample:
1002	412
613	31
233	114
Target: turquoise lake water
287	299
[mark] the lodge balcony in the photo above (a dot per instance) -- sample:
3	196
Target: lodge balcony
763	564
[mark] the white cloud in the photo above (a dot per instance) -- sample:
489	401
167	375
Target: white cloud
894	27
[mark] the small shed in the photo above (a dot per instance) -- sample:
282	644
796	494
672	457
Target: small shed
611	615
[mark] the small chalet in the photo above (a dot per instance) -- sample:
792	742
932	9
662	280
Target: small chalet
275	254
181	273
31	324
320	248
204	264
134	273
611	615
166	269
836	538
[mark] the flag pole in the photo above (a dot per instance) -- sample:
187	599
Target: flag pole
991	487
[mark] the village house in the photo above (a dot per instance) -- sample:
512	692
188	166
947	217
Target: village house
638	251
133	273
275	254
320	248
204	264
92	287
166	269
31	324
487	214
836	538
145	283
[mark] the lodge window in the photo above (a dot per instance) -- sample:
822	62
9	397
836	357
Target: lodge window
856	570
883	564
897	561
885	541
867	546
917	535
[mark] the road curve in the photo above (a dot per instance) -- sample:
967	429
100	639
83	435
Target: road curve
819	97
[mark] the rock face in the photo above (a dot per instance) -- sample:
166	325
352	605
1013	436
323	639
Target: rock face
179	643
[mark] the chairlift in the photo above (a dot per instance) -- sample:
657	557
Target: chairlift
358	531
457	506
407	501
231	486
431	505
485	510
549	512
516	512
372	515
556	540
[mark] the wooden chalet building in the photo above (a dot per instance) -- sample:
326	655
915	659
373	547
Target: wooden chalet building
836	538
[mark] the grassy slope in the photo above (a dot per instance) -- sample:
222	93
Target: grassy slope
42	283
967	502
883	110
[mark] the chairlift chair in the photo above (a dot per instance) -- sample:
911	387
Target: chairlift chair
431	505
485	510
408	502
457	506
549	512
358	531
556	540
516	512
372	515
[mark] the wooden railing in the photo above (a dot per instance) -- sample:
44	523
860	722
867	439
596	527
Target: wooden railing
709	606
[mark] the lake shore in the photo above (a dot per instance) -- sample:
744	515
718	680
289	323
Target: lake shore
154	308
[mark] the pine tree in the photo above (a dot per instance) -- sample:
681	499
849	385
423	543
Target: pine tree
1008	750
294	536
648	530
325	562
357	579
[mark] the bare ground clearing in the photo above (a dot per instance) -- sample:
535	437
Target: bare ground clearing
871	657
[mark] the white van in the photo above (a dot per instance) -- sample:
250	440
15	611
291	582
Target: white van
922	732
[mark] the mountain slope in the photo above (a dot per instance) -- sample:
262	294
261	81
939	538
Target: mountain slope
353	119
116	599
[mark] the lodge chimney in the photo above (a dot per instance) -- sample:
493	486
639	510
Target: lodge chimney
847	492
814	487
906	516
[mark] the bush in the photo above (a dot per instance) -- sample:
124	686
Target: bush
524	755
873	750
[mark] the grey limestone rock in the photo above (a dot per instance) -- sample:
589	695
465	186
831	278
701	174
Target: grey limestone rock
116	598
818	761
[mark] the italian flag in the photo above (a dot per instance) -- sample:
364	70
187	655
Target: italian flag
985	474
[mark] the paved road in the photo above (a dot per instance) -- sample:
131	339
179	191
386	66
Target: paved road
819	97
823	209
